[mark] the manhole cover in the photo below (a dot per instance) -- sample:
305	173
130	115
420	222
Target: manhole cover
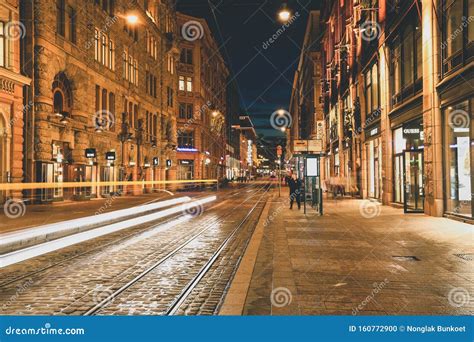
466	256
405	258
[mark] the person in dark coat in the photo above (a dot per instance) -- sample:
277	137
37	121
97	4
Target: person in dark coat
295	191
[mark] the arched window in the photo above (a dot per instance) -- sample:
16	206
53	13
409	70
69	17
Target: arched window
62	94
58	101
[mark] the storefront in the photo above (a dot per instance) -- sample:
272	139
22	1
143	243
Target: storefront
185	169
408	171
459	157
53	172
373	151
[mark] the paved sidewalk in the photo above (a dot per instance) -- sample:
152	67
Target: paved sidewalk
355	260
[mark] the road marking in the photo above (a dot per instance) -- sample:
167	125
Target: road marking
34	232
47	247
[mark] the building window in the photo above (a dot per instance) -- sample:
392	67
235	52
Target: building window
170	97
186	56
406	64
4	45
60	17
151	84
189	84
130	68
181	84
111	55
459	155
151	45
107	6
104	49
186	110
186	139
171	64
58	102
372	90
71	24
105	108
457	33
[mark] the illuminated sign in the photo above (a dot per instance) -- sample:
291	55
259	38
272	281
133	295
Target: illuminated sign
186	149
110	156
168	162
156	161
90	153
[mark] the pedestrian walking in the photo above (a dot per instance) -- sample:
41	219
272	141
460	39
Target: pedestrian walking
295	191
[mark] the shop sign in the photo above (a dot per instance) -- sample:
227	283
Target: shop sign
300	146
168	162
186	162
90	153
412	131
156	161
319	130
315	146
110	156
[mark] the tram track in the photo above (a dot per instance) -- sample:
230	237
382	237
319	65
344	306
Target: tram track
114	241
186	290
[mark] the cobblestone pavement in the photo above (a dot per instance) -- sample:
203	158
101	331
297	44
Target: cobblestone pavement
93	270
361	259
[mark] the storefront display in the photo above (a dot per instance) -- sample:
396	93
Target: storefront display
408	174
185	169
459	155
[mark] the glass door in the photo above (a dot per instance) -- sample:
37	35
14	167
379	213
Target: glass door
413	181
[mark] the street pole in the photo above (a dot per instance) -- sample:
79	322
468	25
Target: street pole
279	154
279	176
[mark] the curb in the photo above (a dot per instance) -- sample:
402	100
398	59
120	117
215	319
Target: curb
234	300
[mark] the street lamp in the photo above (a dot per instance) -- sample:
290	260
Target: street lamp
284	14
132	19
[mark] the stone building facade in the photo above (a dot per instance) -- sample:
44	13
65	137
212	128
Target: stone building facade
398	103
104	93
202	102
12	103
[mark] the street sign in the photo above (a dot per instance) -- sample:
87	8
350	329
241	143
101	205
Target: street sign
300	146
315	146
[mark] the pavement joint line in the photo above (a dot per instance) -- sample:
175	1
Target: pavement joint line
244	272
43	248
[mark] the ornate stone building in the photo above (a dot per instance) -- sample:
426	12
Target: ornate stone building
398	104
104	90
12	105
202	102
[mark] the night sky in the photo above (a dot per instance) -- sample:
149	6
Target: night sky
264	74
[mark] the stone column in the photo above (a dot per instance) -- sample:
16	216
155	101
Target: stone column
432	121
